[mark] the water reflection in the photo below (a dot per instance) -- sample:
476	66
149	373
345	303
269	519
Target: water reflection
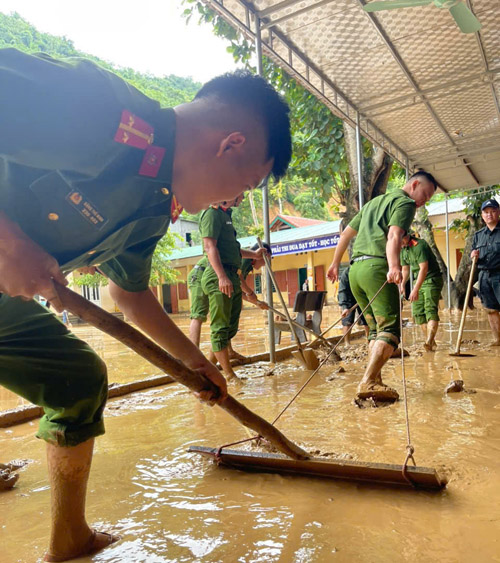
171	506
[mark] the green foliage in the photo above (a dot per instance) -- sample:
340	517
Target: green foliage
311	205
472	209
319	159
91	280
161	268
168	90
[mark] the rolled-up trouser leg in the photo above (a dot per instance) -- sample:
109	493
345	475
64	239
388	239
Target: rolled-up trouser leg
220	310
199	301
236	304
366	277
43	362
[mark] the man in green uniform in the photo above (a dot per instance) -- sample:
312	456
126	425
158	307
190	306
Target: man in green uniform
91	171
200	304
380	226
417	255
220	281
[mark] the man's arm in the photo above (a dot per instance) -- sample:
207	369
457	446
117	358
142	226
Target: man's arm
253	254
25	268
210	246
422	274
406	275
249	295
393	249
144	310
345	238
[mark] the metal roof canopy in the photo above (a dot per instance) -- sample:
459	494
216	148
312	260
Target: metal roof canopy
422	90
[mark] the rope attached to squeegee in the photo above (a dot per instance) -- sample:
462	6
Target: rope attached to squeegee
410	450
328	355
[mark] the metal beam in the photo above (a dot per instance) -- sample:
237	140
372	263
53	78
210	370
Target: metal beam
265	212
277	21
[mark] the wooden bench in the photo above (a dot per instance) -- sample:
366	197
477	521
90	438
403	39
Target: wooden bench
305	302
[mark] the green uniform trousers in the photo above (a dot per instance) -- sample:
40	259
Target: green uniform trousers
426	308
199	301
224	311
365	278
43	362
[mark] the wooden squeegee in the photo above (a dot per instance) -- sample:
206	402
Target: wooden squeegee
379	473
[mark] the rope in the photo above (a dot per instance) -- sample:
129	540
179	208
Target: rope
410	450
328	356
220	448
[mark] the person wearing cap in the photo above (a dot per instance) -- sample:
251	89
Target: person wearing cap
346	302
92	171
417	256
380	226
220	280
486	247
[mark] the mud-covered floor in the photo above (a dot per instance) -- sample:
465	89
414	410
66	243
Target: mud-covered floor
173	506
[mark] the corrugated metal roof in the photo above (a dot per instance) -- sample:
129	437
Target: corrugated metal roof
424	90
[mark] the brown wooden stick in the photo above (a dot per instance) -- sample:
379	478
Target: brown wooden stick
146	348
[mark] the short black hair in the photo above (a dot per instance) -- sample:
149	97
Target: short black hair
265	245
249	91
423	174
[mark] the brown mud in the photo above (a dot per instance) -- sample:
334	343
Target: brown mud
172	506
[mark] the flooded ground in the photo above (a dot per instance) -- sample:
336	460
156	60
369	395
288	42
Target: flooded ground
172	506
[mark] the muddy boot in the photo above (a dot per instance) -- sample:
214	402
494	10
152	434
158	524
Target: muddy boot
377	391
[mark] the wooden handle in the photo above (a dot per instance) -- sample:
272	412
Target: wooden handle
196	382
466	304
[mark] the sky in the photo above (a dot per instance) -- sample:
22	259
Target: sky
149	36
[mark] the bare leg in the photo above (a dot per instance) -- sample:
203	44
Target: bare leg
68	475
423	326
371	385
195	331
223	357
432	328
345	330
494	319
233	355
367	330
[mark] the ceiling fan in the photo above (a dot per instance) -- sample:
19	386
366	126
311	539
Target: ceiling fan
464	18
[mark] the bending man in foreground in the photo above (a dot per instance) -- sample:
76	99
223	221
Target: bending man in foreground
380	226
486	247
417	256
91	172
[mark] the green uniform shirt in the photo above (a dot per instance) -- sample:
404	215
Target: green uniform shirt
417	253
217	224
85	164
246	267
373	221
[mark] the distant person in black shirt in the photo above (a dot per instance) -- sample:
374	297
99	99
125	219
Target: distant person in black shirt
486	246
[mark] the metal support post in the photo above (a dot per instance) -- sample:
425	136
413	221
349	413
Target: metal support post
448	284
359	162
265	210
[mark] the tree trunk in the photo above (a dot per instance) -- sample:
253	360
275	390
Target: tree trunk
459	285
424	228
375	170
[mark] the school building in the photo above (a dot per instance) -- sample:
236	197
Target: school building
302	251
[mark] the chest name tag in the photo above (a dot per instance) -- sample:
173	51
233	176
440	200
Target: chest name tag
86	209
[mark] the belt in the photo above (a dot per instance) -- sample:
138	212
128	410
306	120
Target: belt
366	257
201	268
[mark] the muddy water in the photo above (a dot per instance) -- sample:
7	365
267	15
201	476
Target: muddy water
171	506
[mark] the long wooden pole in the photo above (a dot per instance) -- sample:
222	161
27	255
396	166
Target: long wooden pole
146	348
466	305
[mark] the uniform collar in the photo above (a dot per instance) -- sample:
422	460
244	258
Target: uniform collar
164	136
